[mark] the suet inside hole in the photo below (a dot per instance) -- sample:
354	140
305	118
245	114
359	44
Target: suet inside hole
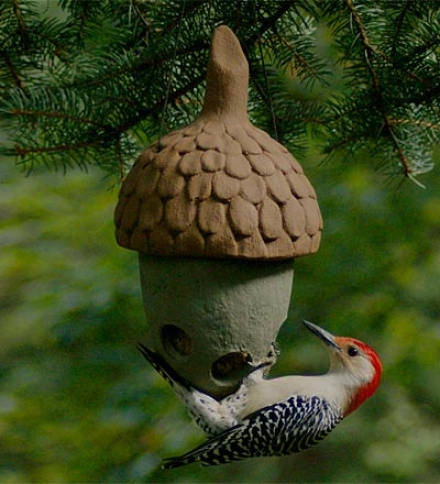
175	341
231	368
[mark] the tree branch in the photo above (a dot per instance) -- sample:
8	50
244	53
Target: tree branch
22	152
19	15
13	71
399	24
371	50
55	114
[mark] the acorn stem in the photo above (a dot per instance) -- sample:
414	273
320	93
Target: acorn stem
227	79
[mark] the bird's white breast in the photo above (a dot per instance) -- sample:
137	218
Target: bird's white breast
267	392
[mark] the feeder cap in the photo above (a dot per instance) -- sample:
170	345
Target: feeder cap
219	187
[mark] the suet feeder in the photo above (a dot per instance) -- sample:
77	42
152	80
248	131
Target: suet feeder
217	211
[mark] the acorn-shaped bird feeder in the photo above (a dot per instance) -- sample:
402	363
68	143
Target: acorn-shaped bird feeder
217	211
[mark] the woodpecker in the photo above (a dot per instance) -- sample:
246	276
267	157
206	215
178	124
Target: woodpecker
275	417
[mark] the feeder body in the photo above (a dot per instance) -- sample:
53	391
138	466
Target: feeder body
199	310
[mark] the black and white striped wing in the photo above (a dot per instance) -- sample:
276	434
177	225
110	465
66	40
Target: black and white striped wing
290	426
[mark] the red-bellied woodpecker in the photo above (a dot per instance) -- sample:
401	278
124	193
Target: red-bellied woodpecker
274	417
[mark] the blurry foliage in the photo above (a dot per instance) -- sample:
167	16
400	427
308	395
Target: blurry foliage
78	404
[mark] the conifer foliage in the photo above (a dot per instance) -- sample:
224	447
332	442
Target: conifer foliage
93	82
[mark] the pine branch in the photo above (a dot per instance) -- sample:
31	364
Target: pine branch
370	52
17	11
106	76
416	122
399	26
153	109
18	81
270	22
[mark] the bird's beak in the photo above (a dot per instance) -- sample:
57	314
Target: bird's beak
324	335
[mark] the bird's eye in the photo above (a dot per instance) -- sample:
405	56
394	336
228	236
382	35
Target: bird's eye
352	351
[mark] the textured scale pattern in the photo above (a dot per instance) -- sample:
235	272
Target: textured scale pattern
281	429
218	190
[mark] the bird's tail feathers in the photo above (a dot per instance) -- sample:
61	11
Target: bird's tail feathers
162	367
211	452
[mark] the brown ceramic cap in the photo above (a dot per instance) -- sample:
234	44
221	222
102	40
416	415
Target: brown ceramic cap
220	187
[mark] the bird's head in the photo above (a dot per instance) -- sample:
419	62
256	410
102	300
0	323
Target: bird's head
357	365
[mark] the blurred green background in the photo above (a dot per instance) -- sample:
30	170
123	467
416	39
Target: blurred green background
79	404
